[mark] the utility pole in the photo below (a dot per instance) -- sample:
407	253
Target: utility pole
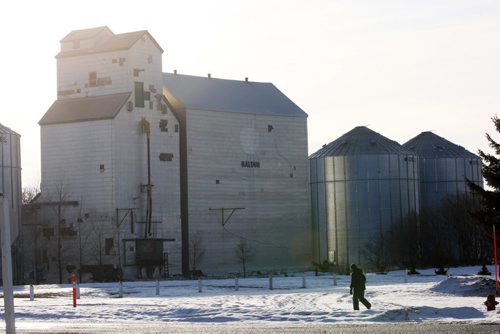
149	187
8	293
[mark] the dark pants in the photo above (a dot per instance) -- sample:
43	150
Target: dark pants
359	296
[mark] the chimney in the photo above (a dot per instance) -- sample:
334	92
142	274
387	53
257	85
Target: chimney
209	76
246	79
175	71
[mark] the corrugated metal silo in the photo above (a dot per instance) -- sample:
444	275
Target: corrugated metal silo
10	186
361	184
10	178
443	168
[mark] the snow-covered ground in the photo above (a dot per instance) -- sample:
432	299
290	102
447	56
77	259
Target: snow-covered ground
424	298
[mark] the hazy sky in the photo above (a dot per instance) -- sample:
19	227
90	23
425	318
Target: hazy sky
399	67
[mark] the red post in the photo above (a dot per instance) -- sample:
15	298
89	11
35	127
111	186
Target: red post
496	259
73	280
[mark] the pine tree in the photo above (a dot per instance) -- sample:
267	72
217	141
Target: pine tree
489	214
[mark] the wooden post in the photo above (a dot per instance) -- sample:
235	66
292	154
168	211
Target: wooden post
200	286
157	287
270	281
32	293
303	281
236	284
120	291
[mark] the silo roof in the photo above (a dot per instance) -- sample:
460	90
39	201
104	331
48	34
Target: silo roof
6	130
84	109
116	42
208	93
360	141
430	145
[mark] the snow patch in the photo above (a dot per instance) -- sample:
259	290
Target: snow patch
470	286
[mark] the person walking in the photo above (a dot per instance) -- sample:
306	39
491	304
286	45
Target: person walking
358	288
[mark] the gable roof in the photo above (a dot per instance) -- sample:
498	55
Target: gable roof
76	35
114	43
203	93
429	145
85	109
360	141
6	130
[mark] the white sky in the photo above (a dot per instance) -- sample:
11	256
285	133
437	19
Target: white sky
398	67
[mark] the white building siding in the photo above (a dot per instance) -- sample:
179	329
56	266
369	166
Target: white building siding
72	155
111	75
275	221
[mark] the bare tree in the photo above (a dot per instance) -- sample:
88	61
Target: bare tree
59	201
403	242
30	193
245	253
61	197
197	250
96	229
376	254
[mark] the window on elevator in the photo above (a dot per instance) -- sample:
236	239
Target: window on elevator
139	94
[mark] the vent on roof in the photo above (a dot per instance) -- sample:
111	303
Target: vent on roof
246	79
209	76
175	71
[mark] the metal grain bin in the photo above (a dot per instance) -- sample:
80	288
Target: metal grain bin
361	184
10	186
443	166
10	177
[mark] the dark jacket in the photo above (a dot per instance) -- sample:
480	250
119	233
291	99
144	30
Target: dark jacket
358	279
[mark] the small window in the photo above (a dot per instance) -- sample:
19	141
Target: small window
270	128
101	168
137	71
176	128
217	181
163	108
166	156
92	79
163	125
139	94
114	61
108	245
